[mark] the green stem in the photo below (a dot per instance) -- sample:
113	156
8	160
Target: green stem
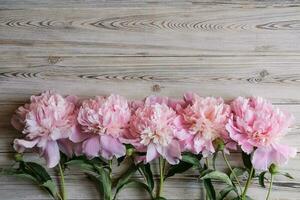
62	180
59	197
161	178
110	168
230	168
247	183
207	162
207	165
110	175
270	188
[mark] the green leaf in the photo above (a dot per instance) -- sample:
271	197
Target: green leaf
286	175
203	172
137	184
160	198
124	179
225	192
94	178
120	160
247	160
104	178
97	170
191	159
179	168
218	176
261	179
34	172
145	170
140	184
8	172
214	160
94	161
41	175
17	173
82	164
26	176
51	187
209	188
239	171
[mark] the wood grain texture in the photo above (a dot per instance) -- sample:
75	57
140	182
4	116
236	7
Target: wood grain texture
140	47
169	31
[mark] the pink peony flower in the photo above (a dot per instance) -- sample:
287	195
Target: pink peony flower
69	147
201	121
258	126
152	129
45	121
104	121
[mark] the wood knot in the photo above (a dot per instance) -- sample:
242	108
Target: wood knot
156	88
54	59
258	78
264	73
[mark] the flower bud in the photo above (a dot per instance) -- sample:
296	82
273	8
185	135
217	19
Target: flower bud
18	157
129	151
273	169
219	144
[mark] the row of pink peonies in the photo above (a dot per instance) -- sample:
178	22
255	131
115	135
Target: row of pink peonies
158	126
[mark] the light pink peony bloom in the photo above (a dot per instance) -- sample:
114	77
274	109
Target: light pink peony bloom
104	120
152	129
256	125
45	121
201	121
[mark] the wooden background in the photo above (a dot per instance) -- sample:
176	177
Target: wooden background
141	47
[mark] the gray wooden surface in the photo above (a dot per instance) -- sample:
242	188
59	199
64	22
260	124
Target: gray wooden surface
142	47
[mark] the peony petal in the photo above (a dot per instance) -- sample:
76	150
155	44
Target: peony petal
77	148
247	147
240	138
17	123
91	147
189	97
42	144
198	144
72	99
173	153
51	154
66	146
282	153
231	146
21	145
111	146
76	135
139	159
152	100
151	153
261	158
57	134
277	154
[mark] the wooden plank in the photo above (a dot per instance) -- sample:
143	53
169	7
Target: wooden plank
174	189
142	47
275	78
161	31
18	4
